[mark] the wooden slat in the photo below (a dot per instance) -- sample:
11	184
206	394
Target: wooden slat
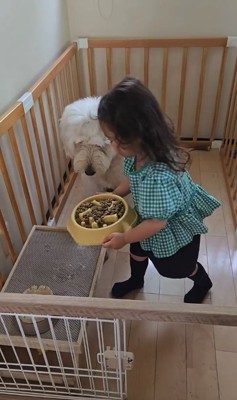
230	108
65	75
10	117
218	94
33	166
22	175
12	197
127	61
74	87
59	112
229	187
90	57
68	77
233	176
122	309
182	91
64	88
197	144
79	74
200	93
109	67
49	151
9	244
231	135
234	190
23	397
164	79
99	43
146	66
231	118
57	98
63	197
75	78
55	135
66	167
233	171
232	159
41	158
234	197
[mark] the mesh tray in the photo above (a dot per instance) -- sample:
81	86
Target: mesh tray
52	258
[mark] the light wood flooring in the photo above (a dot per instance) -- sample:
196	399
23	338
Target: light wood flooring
176	361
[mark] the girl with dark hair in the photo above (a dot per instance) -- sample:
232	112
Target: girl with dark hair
170	206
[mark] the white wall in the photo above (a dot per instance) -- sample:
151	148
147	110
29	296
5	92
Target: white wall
147	18
32	34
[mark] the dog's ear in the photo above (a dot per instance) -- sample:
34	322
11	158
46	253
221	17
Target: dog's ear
66	138
79	124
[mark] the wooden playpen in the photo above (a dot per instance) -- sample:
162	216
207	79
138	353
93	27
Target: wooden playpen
195	81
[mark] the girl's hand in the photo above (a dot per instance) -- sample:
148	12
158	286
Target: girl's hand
114	241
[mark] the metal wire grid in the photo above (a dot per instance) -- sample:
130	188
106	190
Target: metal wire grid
60	375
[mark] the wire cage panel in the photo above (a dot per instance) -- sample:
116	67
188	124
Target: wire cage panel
97	371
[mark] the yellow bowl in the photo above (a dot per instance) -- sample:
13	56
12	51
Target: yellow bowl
90	236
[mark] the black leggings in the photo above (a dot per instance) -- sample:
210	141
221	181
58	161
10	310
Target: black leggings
180	265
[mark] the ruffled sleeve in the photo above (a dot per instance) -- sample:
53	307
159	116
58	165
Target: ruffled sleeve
161	198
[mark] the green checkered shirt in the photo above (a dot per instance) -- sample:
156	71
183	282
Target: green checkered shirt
160	193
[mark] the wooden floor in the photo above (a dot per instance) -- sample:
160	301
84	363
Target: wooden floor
176	361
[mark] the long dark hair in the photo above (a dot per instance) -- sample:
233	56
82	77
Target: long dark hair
131	112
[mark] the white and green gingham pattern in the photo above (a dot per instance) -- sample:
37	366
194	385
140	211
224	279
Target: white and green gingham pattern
161	193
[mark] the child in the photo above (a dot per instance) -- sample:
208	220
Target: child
170	206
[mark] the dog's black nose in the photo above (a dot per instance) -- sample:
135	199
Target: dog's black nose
90	170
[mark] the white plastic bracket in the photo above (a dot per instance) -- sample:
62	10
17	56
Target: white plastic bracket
112	359
82	43
216	144
27	101
51	222
232	41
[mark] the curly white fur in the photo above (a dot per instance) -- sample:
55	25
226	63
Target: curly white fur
84	142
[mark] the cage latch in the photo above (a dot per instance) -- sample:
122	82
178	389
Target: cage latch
113	359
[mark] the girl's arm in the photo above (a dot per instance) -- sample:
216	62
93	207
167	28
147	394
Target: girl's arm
142	231
123	189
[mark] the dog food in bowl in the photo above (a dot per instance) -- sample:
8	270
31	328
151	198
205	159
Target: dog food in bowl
99	213
96	217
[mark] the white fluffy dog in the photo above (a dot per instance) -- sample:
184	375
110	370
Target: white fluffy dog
94	159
